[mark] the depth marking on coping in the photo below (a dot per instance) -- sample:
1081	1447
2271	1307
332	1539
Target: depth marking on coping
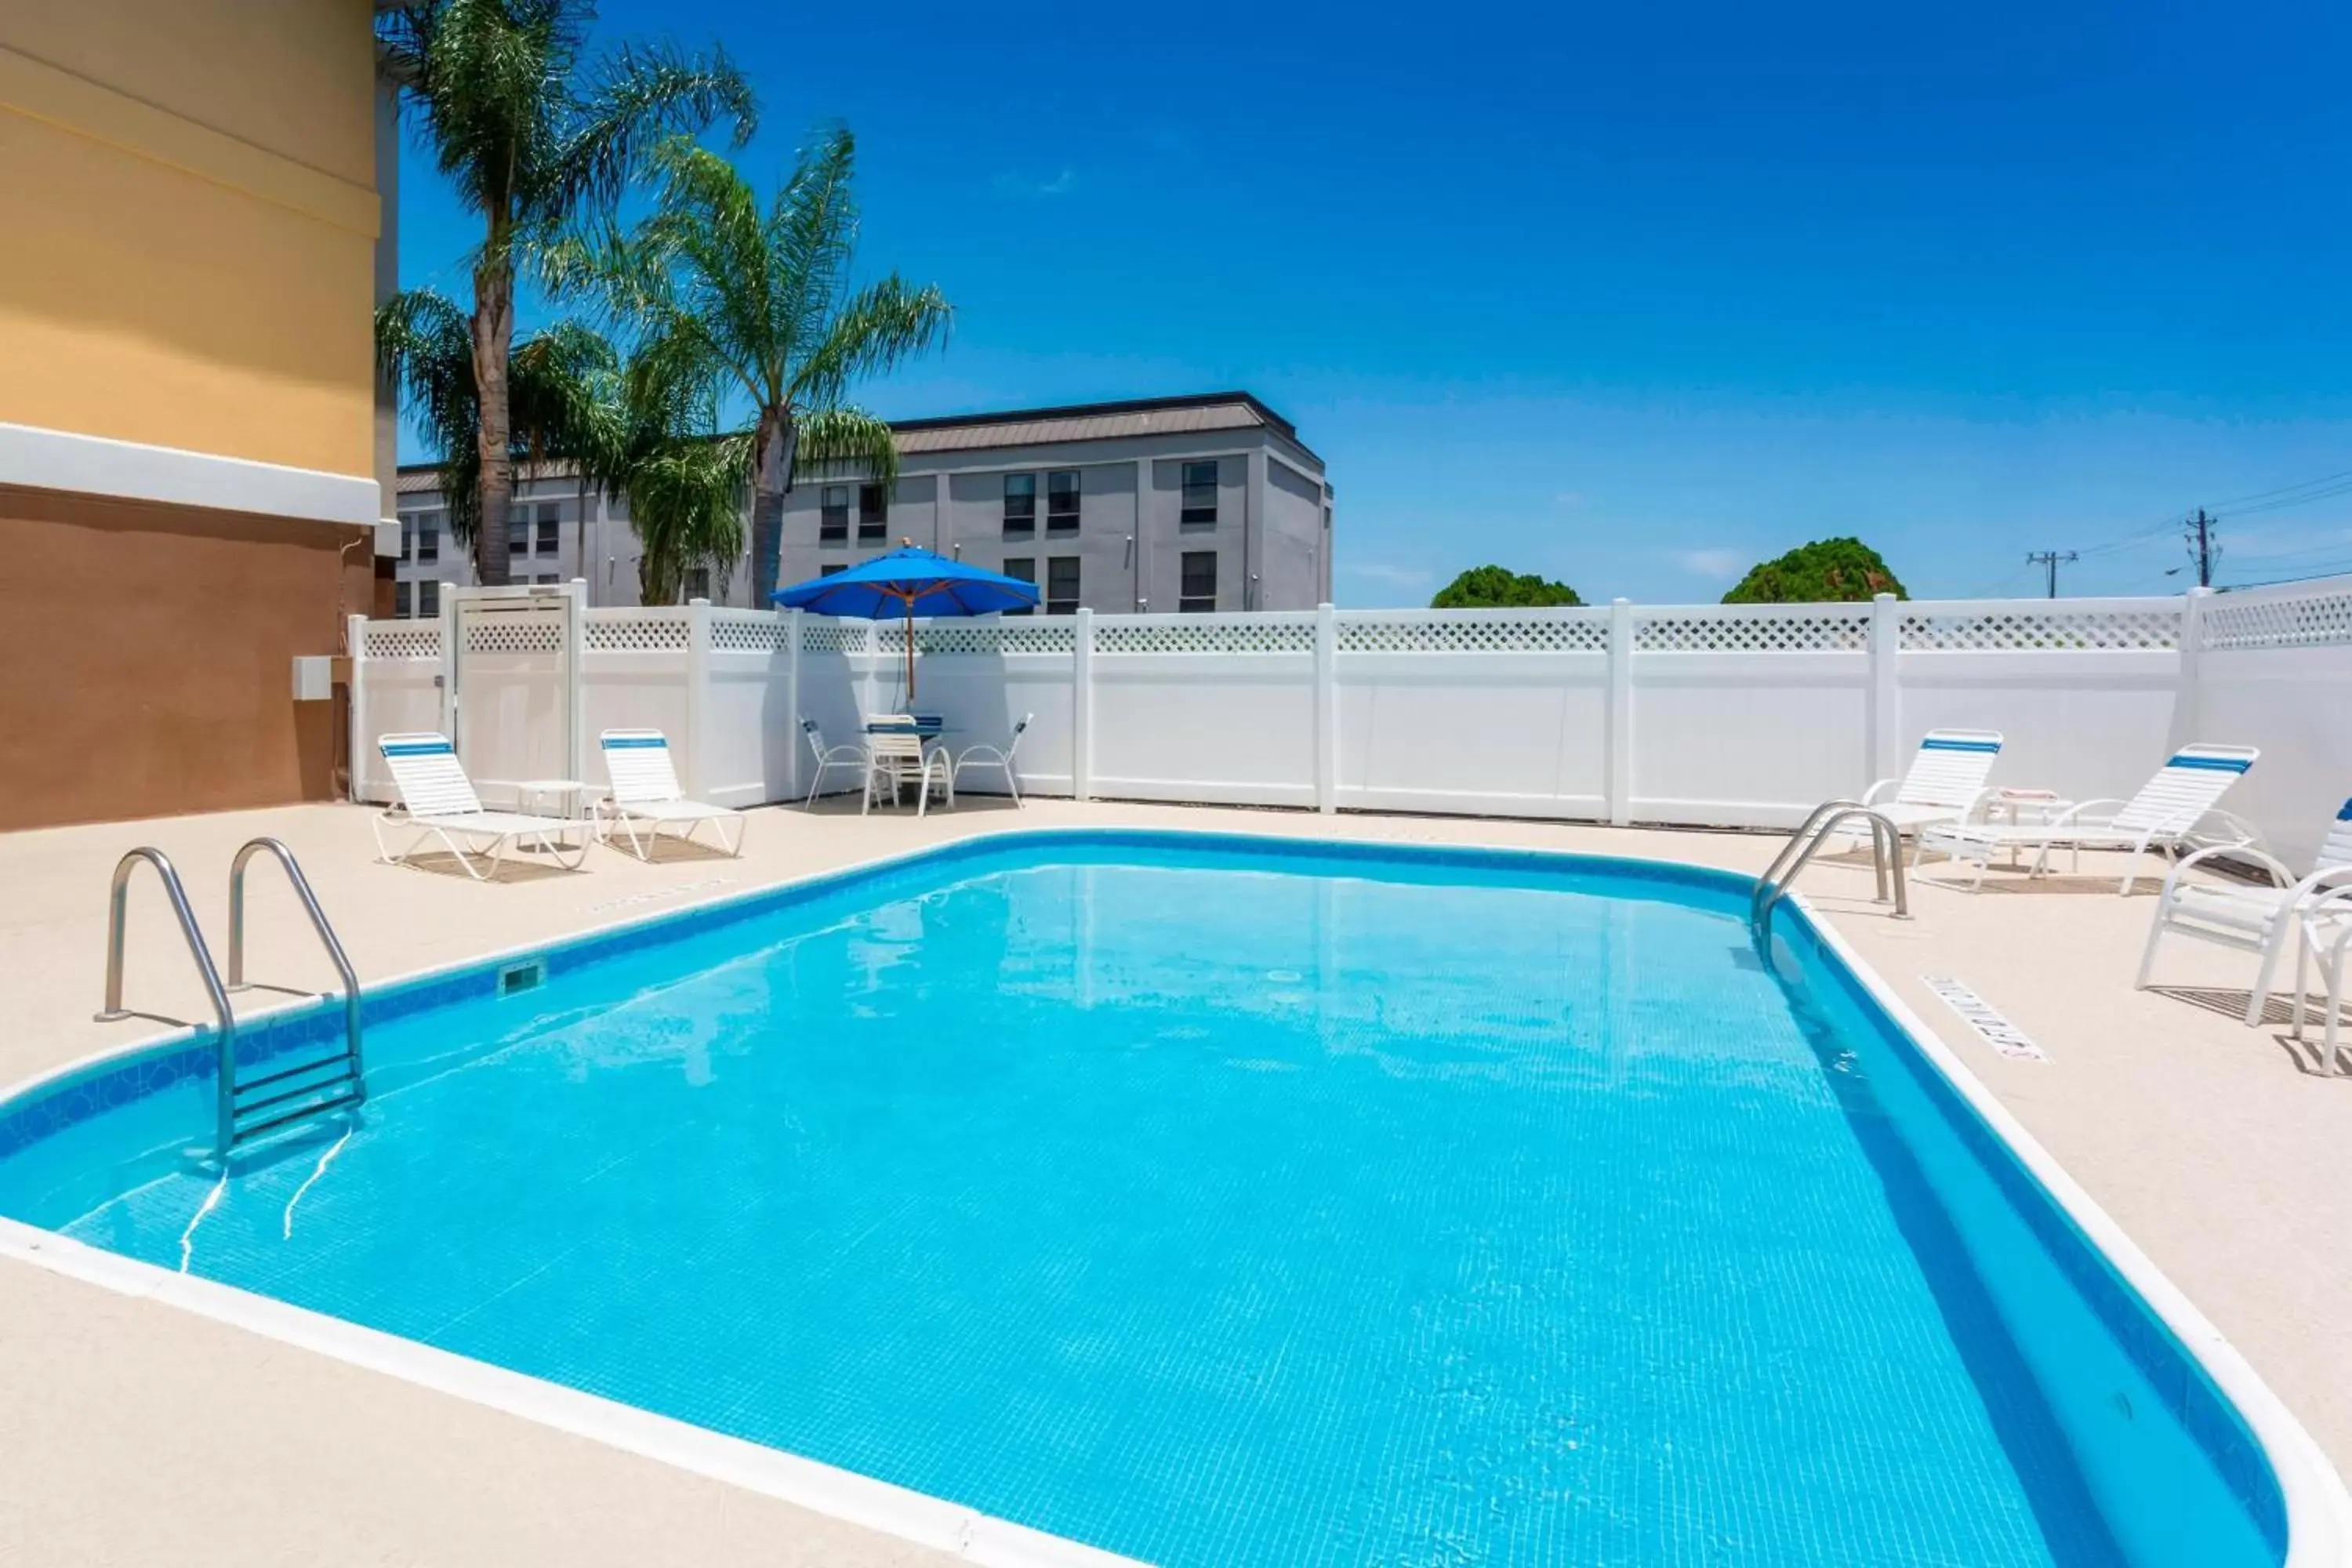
655	895
1999	1033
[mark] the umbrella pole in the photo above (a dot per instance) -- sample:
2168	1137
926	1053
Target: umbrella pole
910	653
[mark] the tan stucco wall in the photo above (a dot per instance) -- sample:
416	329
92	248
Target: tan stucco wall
189	197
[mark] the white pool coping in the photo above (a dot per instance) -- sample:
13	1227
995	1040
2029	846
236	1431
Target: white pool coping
2319	1506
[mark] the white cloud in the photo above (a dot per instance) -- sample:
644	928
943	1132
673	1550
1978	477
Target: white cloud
1571	500
1026	188
1716	564
1394	576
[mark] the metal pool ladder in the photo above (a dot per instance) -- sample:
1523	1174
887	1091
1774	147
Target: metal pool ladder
1885	853
243	1111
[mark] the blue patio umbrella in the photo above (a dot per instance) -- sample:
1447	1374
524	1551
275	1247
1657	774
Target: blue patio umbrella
909	582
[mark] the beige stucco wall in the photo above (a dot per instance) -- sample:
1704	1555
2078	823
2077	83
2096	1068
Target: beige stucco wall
190	197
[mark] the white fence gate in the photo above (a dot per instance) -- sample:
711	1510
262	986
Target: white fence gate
1713	715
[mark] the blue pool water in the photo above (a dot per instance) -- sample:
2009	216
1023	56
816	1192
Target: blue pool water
1240	1206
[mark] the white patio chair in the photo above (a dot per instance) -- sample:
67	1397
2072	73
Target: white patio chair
438	800
1946	782
2256	919
988	756
895	757
850	757
2165	815
645	793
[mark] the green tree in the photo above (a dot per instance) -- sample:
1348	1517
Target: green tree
1824	572
536	137
559	404
683	480
1496	588
757	303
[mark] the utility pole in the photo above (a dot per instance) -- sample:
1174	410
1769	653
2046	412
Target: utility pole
2051	559
2203	548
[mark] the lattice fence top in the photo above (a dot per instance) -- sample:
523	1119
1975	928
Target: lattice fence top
2051	626
1475	631
1277	633
1780	628
746	631
2301	618
514	634
823	634
402	640
1025	634
636	631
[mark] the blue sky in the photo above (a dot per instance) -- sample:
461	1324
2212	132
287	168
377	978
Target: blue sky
1631	296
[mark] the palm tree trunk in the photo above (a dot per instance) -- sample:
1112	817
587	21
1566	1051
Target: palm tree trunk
772	476
493	345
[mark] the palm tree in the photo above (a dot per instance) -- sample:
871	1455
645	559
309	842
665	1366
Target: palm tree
682	480
558	402
759	304
536	137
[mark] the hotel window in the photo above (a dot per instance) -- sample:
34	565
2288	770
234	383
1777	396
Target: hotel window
1062	502
1200	492
873	515
400	601
1023	567
1062	585
1199	593
428	536
547	579
428	599
407	535
550	530
1020	506
832	515
518	532
830	567
697	581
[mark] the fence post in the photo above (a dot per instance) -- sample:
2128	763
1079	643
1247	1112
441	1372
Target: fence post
1885	686
449	668
1327	710
793	741
1620	712
2186	698
873	703
697	694
1082	709
355	703
575	662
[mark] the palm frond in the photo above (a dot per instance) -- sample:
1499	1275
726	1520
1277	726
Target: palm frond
638	97
843	439
874	330
424	346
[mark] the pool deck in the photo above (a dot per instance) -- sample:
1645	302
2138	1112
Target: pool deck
136	1432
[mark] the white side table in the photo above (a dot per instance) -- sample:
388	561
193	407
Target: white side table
570	795
2025	808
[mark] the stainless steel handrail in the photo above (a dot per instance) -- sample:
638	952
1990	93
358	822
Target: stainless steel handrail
301	884
119	898
1885	854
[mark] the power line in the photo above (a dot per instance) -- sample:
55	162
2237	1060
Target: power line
2051	559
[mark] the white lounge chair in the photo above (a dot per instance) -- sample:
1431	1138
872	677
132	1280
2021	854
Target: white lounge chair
988	756
2256	919
1946	782
438	800
850	757
2165	815
895	757
2326	923
646	793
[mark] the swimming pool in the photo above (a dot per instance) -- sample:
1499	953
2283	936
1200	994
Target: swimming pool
1239	1202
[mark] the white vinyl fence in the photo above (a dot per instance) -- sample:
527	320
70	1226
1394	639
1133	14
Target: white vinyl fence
1718	715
